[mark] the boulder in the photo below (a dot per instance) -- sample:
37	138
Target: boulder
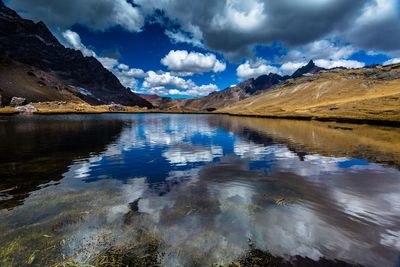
27	109
17	101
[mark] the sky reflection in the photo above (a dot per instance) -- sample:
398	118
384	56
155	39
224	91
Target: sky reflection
205	190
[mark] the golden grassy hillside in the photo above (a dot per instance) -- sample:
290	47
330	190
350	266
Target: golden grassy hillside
361	94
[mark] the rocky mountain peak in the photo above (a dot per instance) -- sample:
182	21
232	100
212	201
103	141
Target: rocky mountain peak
310	68
32	43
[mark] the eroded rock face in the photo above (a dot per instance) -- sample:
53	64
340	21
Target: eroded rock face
310	68
17	101
33	44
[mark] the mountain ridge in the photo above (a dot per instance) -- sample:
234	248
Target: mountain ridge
33	44
364	94
241	91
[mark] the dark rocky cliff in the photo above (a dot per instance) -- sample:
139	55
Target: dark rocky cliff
33	44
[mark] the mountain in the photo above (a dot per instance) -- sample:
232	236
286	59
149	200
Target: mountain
33	84
231	95
227	96
33	44
243	90
310	68
351	94
155	99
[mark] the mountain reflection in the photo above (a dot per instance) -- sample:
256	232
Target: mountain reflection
35	152
206	185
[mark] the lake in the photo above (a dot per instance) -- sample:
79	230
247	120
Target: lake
197	190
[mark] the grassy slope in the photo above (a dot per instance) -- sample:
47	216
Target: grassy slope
352	94
34	85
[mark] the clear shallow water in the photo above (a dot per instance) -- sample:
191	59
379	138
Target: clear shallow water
196	189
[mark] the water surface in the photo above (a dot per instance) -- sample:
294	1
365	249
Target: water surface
196	189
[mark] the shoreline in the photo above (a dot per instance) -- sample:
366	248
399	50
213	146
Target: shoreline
376	122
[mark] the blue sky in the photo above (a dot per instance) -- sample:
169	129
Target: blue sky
183	48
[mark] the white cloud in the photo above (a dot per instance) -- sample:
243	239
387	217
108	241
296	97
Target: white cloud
329	64
236	27
378	26
326	53
392	61
253	69
321	49
108	62
94	14
289	68
184	61
131	72
123	67
166	79
74	41
123	72
181	37
165	83
240	15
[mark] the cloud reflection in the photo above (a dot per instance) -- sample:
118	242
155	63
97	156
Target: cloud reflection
215	197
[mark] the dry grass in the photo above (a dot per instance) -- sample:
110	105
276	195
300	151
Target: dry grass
71	107
328	95
61	107
33	84
8	111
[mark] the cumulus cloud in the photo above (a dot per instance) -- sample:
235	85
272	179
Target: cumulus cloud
320	49
289	68
124	73
235	27
165	83
94	14
108	62
192	62
392	61
253	69
166	79
132	72
326	53
161	83
378	26
74	41
329	64
180	37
